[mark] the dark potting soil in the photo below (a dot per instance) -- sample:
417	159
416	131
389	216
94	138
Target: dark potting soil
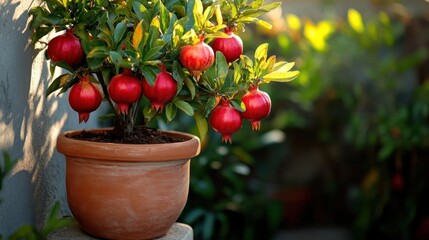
140	135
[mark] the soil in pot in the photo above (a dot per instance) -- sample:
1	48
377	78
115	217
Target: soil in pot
140	135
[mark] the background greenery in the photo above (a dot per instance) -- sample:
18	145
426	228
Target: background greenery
360	107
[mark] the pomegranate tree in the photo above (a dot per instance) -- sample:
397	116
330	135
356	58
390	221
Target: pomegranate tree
84	97
183	56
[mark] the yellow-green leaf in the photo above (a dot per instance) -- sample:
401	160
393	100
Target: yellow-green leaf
265	25
219	17
283	66
261	52
280	76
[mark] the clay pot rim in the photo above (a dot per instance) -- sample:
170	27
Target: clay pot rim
129	152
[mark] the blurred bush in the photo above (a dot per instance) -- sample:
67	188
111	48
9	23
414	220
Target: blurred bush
360	106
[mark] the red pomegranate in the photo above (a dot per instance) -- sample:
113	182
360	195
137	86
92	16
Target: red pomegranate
163	91
84	98
197	58
231	47
66	48
258	106
124	89
225	120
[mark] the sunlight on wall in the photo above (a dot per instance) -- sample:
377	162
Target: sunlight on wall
43	122
7	136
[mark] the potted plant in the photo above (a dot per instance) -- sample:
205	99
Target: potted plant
150	59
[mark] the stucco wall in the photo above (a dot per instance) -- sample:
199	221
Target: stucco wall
29	125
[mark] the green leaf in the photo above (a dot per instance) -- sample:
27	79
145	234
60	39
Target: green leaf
54	221
153	53
141	11
25	232
237	105
8	165
63	65
170	111
164	17
150	72
221	65
41	32
237	73
256	4
119	32
59	82
185	107
271	6
98	52
191	87
201	125
149	113
209	12
179	75
106	117
210	105
253	12
95	63
118	61
280	76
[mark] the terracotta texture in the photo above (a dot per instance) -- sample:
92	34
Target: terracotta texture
127	191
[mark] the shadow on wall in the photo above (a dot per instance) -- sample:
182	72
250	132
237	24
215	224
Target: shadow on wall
29	125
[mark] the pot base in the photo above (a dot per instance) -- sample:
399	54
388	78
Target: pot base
178	231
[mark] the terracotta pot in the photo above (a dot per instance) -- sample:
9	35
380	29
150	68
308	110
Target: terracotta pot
127	191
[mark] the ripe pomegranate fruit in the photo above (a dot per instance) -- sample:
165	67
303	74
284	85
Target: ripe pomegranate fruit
163	91
197	58
66	48
124	89
231	47
258	106
225	120
84	98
